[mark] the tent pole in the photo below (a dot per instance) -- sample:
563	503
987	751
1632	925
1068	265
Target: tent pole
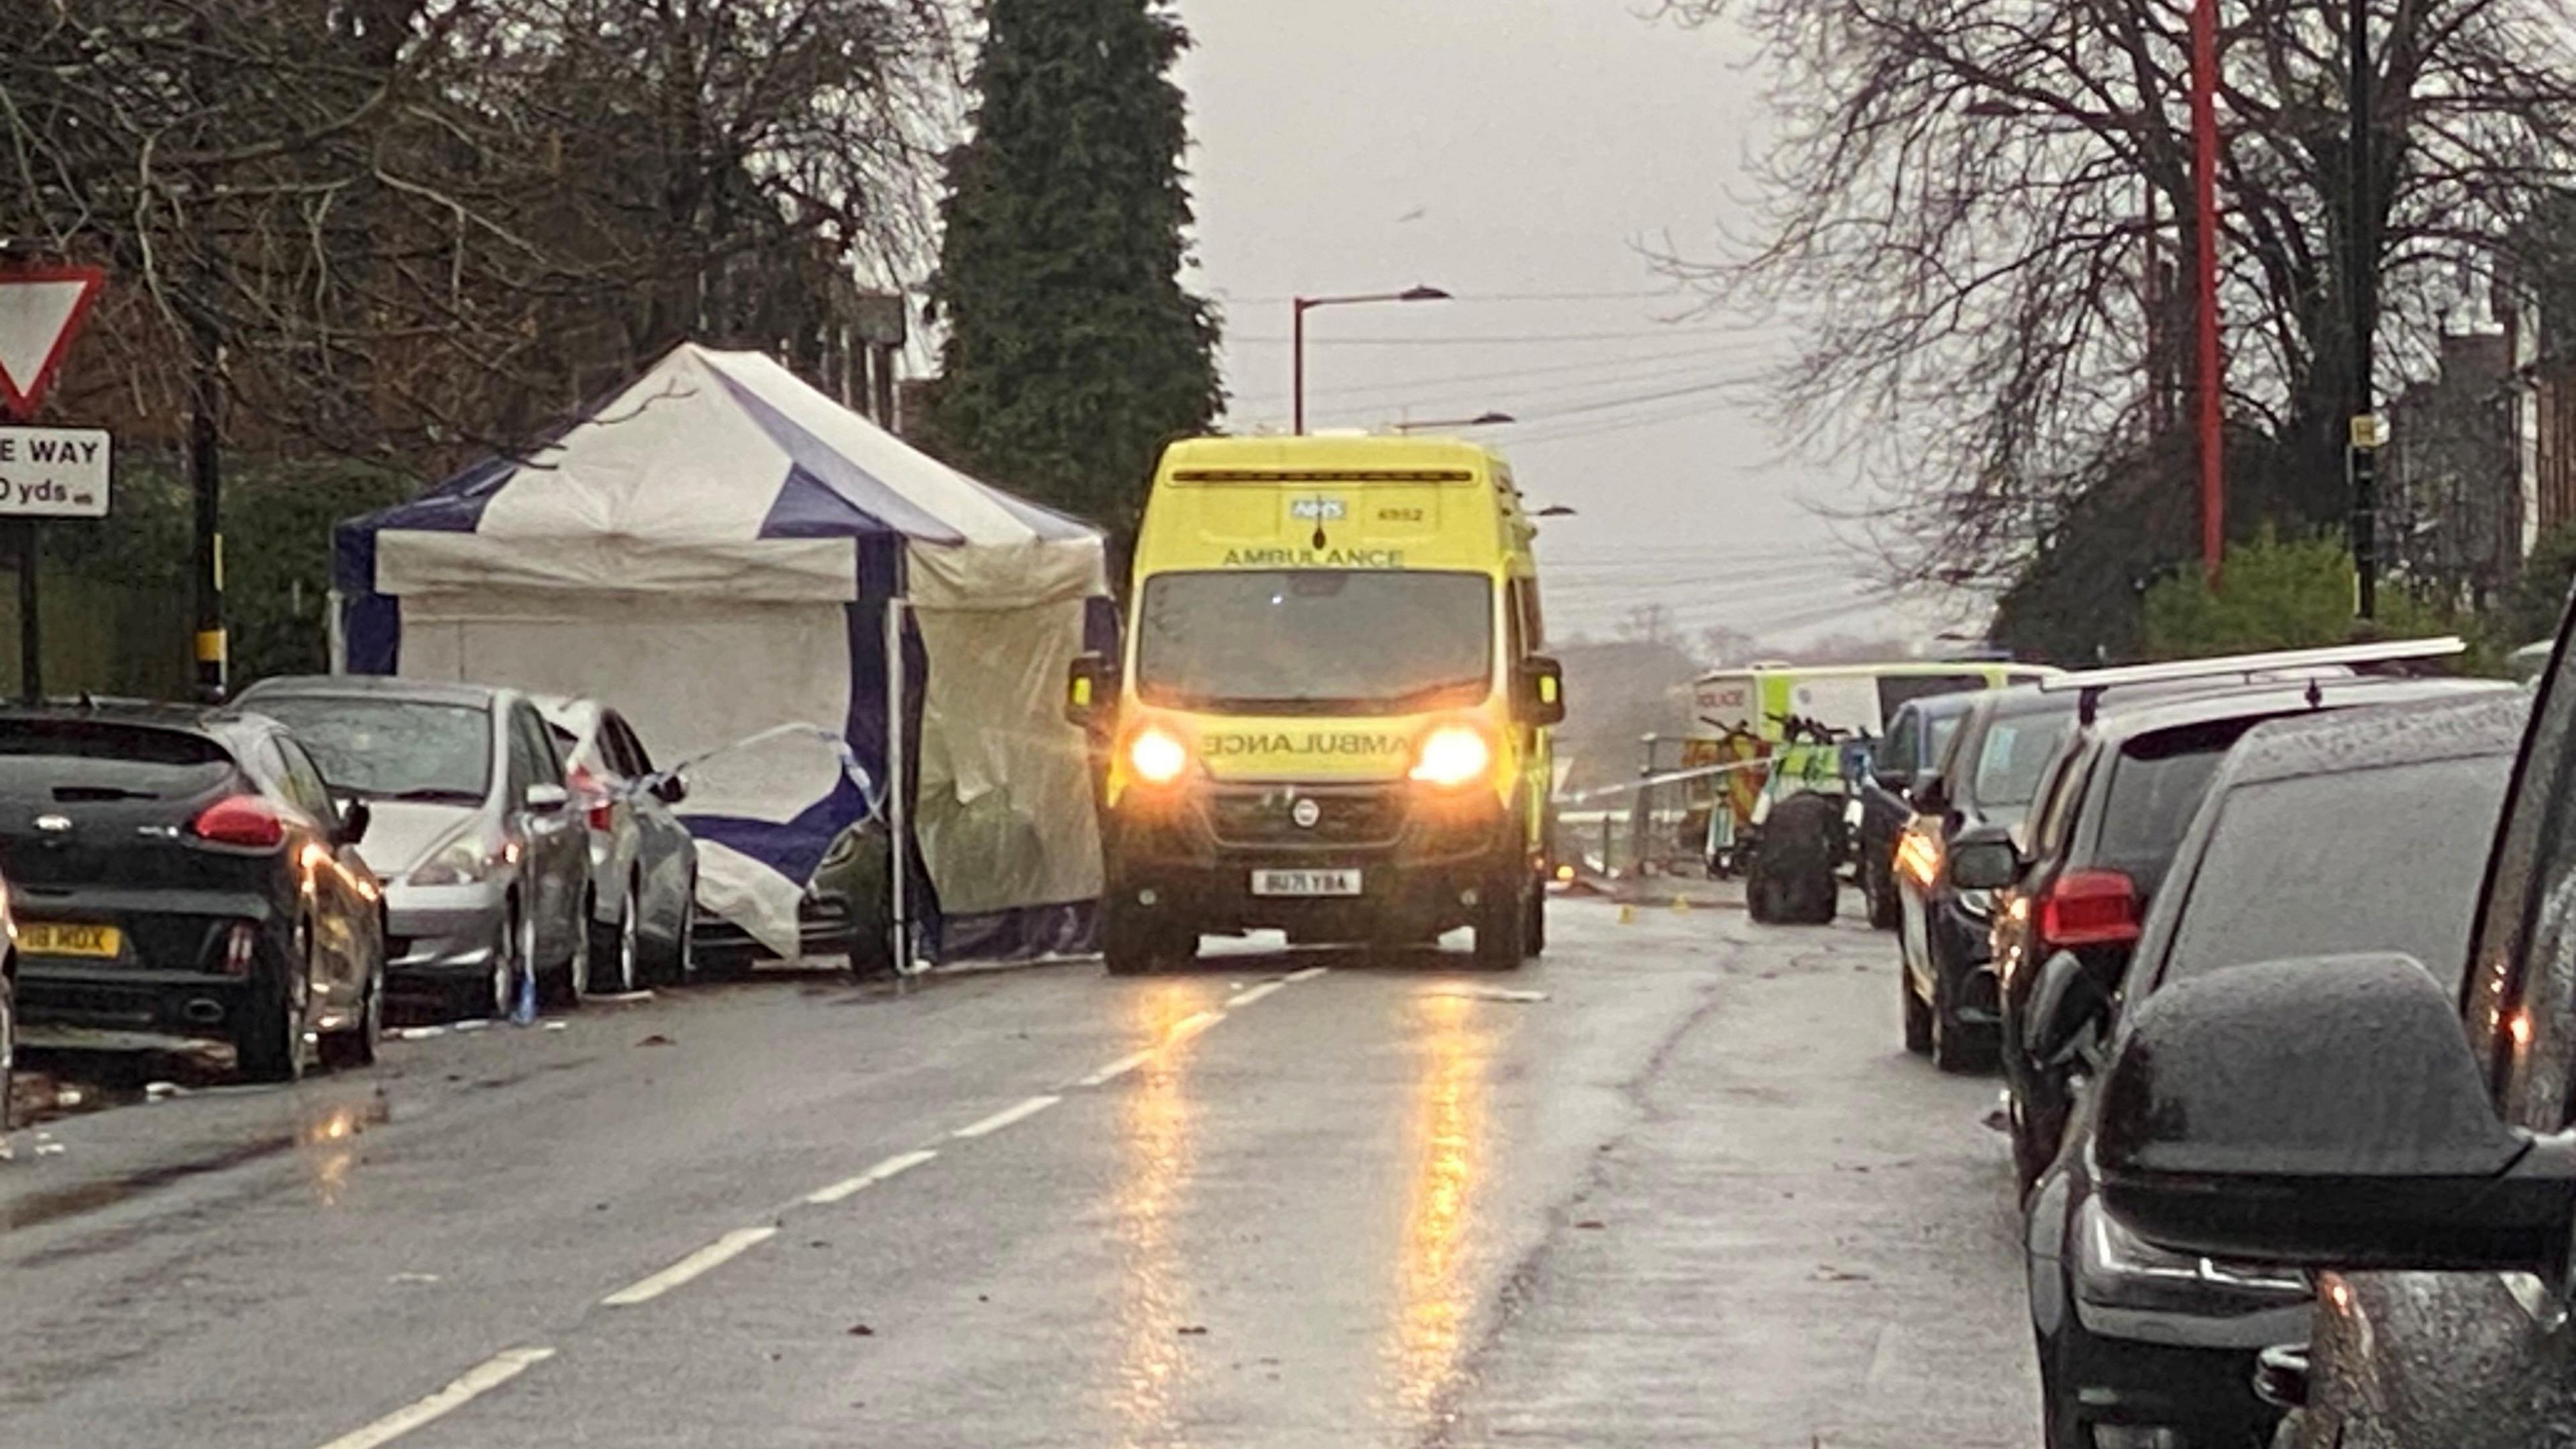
898	799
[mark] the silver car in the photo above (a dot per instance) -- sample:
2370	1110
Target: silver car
485	864
643	863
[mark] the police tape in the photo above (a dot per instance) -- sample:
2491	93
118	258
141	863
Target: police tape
1699	772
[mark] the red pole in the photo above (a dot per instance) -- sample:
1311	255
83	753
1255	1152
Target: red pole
2204	134
1297	366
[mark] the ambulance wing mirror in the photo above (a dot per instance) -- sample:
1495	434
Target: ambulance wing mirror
1541	692
1090	691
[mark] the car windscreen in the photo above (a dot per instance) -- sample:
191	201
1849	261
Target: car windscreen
1937	730
70	758
2011	759
2384	859
399	749
1315	640
1895	689
2157	781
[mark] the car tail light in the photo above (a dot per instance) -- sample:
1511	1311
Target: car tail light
2090	908
238	948
241	820
586	787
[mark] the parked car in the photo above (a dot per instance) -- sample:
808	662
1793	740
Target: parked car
185	872
2341	838
2105	829
1904	762
643	863
847	910
487	869
1987	778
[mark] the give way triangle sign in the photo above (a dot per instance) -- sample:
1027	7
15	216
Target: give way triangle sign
40	312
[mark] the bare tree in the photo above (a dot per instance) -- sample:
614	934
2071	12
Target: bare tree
408	228
1975	211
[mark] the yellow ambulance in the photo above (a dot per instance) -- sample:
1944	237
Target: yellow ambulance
1331	710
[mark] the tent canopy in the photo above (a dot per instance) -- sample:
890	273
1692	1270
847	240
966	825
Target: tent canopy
713	551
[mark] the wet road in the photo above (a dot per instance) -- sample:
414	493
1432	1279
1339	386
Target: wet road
1695	1195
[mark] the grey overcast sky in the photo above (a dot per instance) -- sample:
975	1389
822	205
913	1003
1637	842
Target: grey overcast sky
1522	154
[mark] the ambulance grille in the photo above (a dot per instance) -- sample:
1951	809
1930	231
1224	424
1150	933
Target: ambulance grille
1370	816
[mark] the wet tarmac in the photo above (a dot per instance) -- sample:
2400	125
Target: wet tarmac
1675	1184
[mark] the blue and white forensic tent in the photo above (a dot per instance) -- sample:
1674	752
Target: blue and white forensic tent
724	553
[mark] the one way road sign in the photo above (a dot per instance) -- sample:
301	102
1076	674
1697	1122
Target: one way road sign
41	310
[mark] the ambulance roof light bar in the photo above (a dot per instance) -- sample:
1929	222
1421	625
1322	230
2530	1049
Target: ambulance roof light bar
2092	682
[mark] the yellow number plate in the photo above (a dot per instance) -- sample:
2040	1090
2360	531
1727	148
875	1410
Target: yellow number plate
54	938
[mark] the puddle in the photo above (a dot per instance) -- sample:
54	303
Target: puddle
328	1135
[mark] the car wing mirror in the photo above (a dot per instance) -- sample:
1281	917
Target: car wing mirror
2324	1112
1090	691
670	789
545	799
1984	859
2064	1004
355	817
1540	691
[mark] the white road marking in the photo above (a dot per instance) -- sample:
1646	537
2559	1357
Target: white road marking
1117	1069
705	1260
905	1162
1309	974
481	1379
1191	1025
1007	1116
1253	994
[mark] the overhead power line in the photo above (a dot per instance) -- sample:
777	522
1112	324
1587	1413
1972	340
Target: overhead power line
1486	339
1621	363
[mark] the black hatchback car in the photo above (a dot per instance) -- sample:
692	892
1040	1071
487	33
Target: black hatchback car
1989	775
2343	837
183	872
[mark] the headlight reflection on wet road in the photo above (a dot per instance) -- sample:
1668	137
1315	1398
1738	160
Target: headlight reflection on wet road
1434	1292
1155	1159
329	1146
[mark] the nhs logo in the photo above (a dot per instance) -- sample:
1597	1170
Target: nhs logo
1317	510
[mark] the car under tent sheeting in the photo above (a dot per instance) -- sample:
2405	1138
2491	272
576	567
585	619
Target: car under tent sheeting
724	552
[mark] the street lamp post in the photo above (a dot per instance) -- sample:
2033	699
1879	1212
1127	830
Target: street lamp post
1300	306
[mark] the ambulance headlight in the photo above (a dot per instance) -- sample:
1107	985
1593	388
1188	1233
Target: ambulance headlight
1453	755
1157	755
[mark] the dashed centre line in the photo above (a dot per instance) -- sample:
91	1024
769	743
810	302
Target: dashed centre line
475	1382
502	1367
1118	1068
1017	1112
901	1163
705	1260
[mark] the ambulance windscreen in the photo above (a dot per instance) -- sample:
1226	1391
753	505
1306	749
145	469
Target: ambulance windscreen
1315	641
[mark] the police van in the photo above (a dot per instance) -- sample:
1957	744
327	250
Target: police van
1331	710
